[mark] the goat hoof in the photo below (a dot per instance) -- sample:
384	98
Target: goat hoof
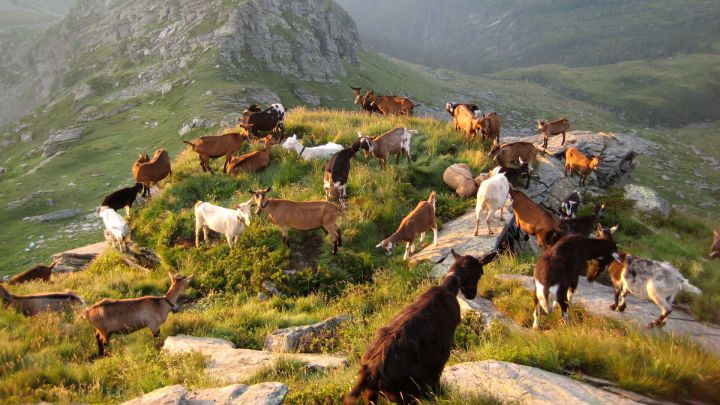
651	325
613	307
621	308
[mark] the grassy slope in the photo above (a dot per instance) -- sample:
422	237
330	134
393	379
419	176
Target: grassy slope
222	303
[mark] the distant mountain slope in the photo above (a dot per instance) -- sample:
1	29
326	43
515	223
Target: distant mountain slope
490	35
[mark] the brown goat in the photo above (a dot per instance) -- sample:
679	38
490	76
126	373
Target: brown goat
394	142
575	161
615	268
465	121
549	128
33	304
39	272
126	316
534	219
253	161
415	223
489	127
211	147
152	171
715	248
300	215
515	154
387	105
405	359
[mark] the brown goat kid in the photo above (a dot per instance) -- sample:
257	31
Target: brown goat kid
404	361
415	223
549	128
300	215
489	127
576	161
151	171
39	272
253	161
211	147
534	219
34	304
126	316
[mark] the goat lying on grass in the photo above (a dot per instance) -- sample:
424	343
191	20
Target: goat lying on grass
415	223
39	272
316	152
34	304
405	359
125	316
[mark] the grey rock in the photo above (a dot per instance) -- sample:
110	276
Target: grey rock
171	395
184	130
54	216
306	96
295	338
82	91
3	169
270	393
26	137
647	200
59	139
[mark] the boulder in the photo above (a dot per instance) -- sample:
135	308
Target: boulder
59	139
171	395
54	216
184	130
297	338
165	88
270	393
647	200
526	385
459	178
306	96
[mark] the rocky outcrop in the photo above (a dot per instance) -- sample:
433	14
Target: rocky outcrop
647	200
298	338
54	216
59	139
226	364
270	393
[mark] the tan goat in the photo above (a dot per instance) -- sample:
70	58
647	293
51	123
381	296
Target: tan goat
576	161
300	215
549	128
253	161
211	147
34	304
534	219
152	171
394	142
465	121
125	316
415	223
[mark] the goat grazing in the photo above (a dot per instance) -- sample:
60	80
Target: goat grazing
415	223
715	247
558	270
583	225
34	304
253	161
576	162
230	223
317	152
117	231
394	142
271	119
337	171
363	102
515	154
211	147
151	171
39	272
534	219
549	128
125	197
300	215
491	196
405	359
124	316
570	204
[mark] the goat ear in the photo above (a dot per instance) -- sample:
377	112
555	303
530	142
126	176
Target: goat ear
614	228
189	277
617	258
268	189
598	227
488	257
251	192
455	254
379	245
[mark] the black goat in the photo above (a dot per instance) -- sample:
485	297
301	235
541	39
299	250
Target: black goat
450	107
514	173
570	204
125	197
406	357
271	119
583	225
336	173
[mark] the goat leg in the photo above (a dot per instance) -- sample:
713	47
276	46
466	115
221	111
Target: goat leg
100	344
563	141
397	158
614	306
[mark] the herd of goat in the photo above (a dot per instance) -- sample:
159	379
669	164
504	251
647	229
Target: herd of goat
406	357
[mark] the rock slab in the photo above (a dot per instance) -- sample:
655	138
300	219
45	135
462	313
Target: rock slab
270	393
647	200
526	385
295	338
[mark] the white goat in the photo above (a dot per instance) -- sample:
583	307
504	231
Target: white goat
230	223
655	281
317	152
117	231
491	195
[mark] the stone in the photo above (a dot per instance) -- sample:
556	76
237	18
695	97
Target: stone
165	88
26	137
263	394
515	383
269	393
647	200
226	364
59	139
184	130
79	258
294	339
54	216
82	91
3	169
306	96
171	395
198	123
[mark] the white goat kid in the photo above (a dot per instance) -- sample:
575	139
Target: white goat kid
317	152
491	196
117	231
228	222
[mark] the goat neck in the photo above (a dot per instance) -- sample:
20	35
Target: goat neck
173	294
451	282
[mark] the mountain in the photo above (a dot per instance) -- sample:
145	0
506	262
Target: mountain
492	35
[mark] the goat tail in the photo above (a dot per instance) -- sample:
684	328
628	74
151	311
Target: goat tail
687	287
190	143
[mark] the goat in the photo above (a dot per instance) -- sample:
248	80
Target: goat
39	272
715	247
575	161
271	119
548	128
489	127
149	172
300	215
211	147
459	178
513	173
450	108
406	357
336	173
656	281
515	153
614	268
534	219
415	223
491	195
583	225
317	152
570	204
558	270
253	161
394	142
230	223
124	316
387	105
363	102
34	304
125	197
464	120
250	111
117	231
